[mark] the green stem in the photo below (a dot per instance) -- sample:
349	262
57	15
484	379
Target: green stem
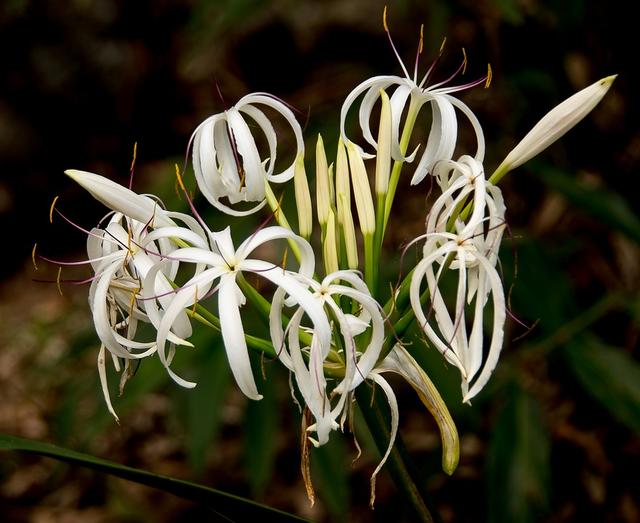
398	463
370	264
201	314
274	204
397	166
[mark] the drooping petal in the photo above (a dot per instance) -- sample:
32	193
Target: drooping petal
233	336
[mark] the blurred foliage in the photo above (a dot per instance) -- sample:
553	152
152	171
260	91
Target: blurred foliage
554	437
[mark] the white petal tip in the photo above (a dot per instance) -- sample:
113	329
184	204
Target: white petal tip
74	173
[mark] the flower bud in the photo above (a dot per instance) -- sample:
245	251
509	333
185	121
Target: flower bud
323	187
120	199
343	205
361	191
554	125
303	198
383	157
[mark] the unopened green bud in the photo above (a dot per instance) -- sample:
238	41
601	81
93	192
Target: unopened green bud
383	157
323	183
361	191
303	198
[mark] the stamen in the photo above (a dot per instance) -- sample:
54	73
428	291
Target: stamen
489	76
53	204
133	164
195	301
395	51
461	69
284	260
222	100
418	53
444	41
190	201
58	281
33	256
132	301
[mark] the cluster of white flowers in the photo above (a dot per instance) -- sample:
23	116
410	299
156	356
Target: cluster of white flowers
330	332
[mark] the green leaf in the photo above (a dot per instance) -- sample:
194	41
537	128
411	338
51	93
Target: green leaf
204	402
610	375
518	463
329	470
232	507
261	436
608	207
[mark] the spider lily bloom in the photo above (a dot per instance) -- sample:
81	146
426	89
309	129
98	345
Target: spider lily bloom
554	125
416	93
121	255
472	252
459	182
222	266
310	376
226	160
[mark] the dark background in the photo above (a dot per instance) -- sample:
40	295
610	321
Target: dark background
555	435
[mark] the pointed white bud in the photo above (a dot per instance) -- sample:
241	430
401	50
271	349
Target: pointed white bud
329	245
361	191
383	156
303	198
120	199
343	205
554	125
323	192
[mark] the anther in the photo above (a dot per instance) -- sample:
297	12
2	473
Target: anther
133	164
489	76
58	280
33	256
53	205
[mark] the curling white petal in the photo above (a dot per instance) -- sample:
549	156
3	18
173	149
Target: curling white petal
233	336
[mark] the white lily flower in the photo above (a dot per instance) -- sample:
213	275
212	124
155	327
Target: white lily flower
443	129
139	233
465	352
310	376
122	254
226	159
223	267
555	124
472	251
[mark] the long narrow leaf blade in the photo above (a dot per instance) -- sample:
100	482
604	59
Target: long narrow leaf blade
231	506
